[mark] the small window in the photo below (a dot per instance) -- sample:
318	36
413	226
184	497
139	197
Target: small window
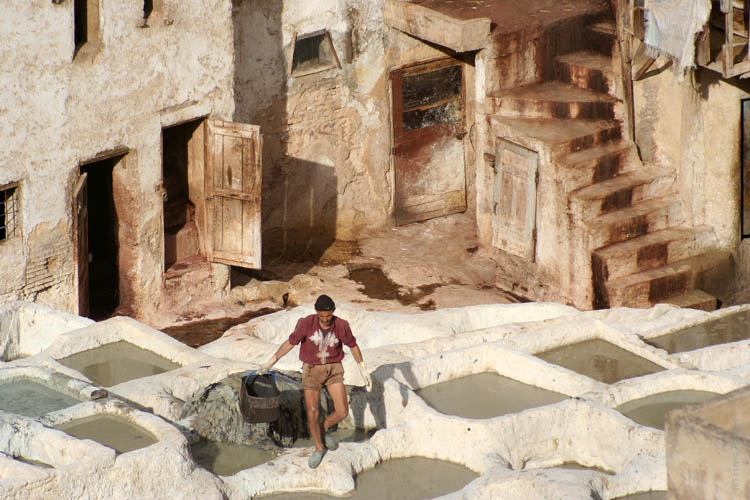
432	97
85	23
312	53
8	212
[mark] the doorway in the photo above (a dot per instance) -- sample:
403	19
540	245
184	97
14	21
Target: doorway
429	124
182	158
97	233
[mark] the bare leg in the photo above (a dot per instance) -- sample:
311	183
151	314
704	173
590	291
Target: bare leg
312	400
340	406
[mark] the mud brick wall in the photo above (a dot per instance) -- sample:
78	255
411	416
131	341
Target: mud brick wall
49	262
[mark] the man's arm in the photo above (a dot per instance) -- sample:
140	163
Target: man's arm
280	353
362	368
357	354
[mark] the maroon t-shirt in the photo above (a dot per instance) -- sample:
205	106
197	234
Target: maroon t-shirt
319	347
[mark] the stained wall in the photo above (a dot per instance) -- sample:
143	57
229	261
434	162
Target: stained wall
61	108
327	171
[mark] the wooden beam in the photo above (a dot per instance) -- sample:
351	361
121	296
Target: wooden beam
625	43
435	27
644	67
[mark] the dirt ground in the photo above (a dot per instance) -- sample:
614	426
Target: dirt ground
424	266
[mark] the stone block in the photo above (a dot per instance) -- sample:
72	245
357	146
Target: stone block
708	449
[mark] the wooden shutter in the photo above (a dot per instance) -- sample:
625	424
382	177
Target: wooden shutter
81	234
233	184
514	220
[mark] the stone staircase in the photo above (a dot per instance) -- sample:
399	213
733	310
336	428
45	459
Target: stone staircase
623	217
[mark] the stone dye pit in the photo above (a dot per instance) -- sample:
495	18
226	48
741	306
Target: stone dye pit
117	433
729	328
485	395
462	395
652	410
342	435
32	399
600	360
413	478
118	362
651	495
226	459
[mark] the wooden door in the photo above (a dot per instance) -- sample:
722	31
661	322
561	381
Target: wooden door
233	184
514	218
428	150
81	234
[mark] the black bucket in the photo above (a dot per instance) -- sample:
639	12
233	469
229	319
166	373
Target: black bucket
259	398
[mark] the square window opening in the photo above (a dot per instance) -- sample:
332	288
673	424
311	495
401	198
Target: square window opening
8	212
312	53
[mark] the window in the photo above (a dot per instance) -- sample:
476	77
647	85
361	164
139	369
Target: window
85	23
8	212
312	53
432	97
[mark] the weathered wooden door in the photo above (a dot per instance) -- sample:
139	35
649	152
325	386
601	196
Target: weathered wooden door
81	233
233	185
515	199
428	149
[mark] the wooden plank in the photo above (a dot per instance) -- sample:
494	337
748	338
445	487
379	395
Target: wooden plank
234	193
436	27
704	46
728	50
514	222
81	235
644	67
232	164
231	225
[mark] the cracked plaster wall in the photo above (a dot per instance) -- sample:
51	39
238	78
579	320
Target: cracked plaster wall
326	136
118	92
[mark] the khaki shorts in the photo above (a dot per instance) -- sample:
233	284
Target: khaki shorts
316	376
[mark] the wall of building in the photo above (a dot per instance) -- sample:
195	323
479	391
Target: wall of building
58	111
327	170
693	125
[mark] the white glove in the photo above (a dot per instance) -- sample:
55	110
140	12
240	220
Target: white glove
365	375
267	365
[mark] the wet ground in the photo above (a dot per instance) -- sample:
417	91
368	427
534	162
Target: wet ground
423	266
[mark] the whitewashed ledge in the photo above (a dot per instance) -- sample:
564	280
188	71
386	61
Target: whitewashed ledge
517	456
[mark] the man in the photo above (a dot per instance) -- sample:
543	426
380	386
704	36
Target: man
322	335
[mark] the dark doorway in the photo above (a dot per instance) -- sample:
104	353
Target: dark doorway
182	155
103	245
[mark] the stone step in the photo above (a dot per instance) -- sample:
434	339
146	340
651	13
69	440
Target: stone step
555	100
556	135
597	164
619	192
601	37
652	250
649	287
587	70
694	299
631	222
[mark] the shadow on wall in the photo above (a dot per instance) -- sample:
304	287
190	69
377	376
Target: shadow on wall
306	208
298	196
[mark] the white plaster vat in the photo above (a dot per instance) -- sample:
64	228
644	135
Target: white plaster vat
26	328
517	456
